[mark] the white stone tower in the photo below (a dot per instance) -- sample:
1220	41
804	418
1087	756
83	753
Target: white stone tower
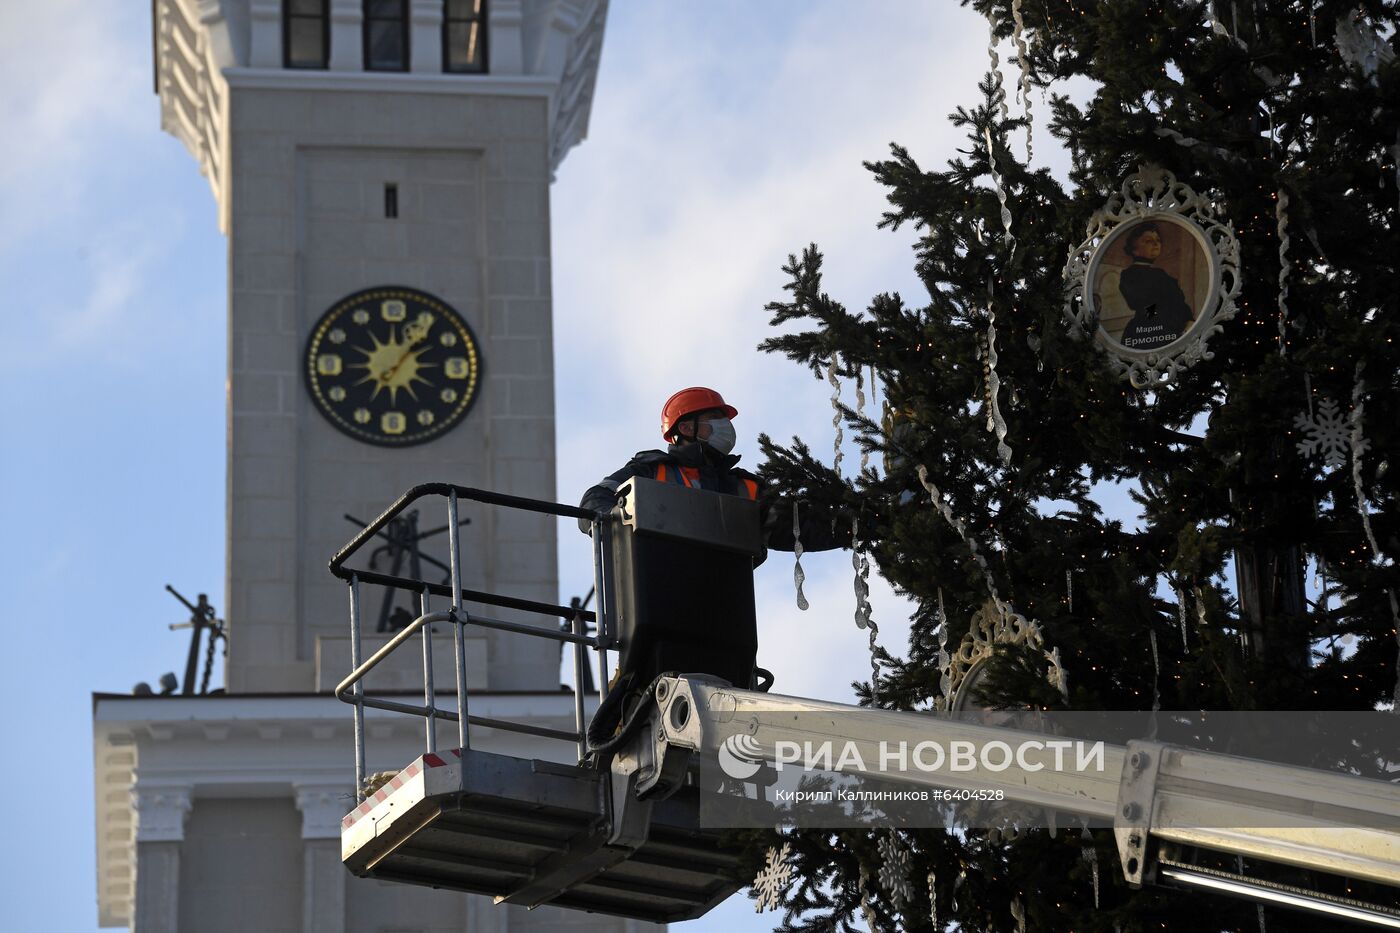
359	144
381	169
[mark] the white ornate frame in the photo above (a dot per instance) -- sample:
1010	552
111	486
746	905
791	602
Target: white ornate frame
1154	192
992	625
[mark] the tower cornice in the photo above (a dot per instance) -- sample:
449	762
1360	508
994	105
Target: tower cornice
404	83
207	49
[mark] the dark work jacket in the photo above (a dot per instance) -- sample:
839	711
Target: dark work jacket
720	473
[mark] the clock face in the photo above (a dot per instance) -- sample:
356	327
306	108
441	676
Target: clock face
392	366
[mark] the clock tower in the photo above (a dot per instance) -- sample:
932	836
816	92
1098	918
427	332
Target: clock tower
382	171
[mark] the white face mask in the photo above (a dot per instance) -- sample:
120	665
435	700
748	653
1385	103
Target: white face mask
722	436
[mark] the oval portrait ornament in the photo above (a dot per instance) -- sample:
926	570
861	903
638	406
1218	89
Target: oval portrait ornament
1155	279
392	366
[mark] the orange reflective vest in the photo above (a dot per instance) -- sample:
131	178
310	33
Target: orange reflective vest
690	478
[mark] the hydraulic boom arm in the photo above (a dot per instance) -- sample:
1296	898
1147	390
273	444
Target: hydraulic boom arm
1158	797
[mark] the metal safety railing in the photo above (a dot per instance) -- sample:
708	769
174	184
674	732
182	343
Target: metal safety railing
351	690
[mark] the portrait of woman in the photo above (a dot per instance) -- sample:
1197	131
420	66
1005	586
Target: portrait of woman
1151	283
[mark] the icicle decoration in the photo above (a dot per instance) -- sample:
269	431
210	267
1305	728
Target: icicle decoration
1007	237
861	563
1018	913
1058	675
1156	671
998	90
1395	157
1181	613
1262	927
1284	267
865	906
799	576
836	411
1033	342
1310	232
882	406
932	900
1320	582
862	588
860	412
1023	58
1191	142
1358	447
894	871
1000	95
945	660
995	422
1220	30
1090	854
1069	591
956	523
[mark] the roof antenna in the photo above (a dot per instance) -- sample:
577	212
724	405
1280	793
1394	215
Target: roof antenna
201	618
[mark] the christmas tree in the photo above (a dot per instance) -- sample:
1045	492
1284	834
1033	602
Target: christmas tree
1261	572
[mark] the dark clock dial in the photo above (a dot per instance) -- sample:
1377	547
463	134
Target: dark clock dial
392	366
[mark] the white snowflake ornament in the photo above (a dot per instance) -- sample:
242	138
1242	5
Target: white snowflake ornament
768	884
1328	432
894	871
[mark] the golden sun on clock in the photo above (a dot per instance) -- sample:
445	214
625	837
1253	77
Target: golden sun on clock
392	366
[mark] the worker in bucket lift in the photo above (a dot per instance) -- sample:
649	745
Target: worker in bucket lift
697	424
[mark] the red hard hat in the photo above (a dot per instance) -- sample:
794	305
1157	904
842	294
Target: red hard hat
688	402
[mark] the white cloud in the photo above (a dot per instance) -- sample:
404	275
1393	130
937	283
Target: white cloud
80	252
74	85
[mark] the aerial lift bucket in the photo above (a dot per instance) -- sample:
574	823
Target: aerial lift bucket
674	576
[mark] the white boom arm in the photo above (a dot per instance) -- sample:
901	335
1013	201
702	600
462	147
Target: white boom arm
1152	793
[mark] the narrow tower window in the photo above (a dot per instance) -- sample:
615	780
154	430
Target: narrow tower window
464	36
386	35
391	200
305	34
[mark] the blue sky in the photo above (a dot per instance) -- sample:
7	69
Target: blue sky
724	136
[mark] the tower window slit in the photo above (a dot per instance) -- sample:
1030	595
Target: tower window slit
391	200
